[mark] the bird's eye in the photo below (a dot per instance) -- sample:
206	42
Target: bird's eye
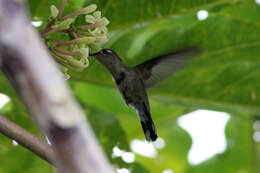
107	51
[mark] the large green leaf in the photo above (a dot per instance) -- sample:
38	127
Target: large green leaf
223	77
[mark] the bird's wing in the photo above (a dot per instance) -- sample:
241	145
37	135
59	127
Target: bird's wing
159	68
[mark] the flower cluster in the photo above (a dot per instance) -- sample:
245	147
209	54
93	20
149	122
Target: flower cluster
73	53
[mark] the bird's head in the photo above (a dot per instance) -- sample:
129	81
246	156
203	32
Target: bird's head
107	57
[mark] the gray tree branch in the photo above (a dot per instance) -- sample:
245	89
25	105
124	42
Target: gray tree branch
26	139
29	67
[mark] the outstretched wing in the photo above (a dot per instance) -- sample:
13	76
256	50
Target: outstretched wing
159	68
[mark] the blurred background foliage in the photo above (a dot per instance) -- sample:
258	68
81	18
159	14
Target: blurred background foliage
223	78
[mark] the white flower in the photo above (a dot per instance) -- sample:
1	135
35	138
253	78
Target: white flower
101	23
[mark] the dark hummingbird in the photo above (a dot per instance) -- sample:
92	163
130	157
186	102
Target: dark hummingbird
132	82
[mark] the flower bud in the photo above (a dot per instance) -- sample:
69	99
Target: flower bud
82	46
54	11
89	9
94	32
65	58
90	19
101	39
97	14
85	62
76	65
66	76
105	20
84	52
85	40
64	24
104	30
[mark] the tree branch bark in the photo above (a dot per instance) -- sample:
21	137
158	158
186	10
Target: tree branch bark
26	139
29	67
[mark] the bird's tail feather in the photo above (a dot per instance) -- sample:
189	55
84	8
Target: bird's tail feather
147	124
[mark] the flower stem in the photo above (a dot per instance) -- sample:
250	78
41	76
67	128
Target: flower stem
47	28
62	43
62	8
65	52
51	31
76	13
79	35
85	27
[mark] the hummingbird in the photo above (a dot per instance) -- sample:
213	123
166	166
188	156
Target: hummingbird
132	82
